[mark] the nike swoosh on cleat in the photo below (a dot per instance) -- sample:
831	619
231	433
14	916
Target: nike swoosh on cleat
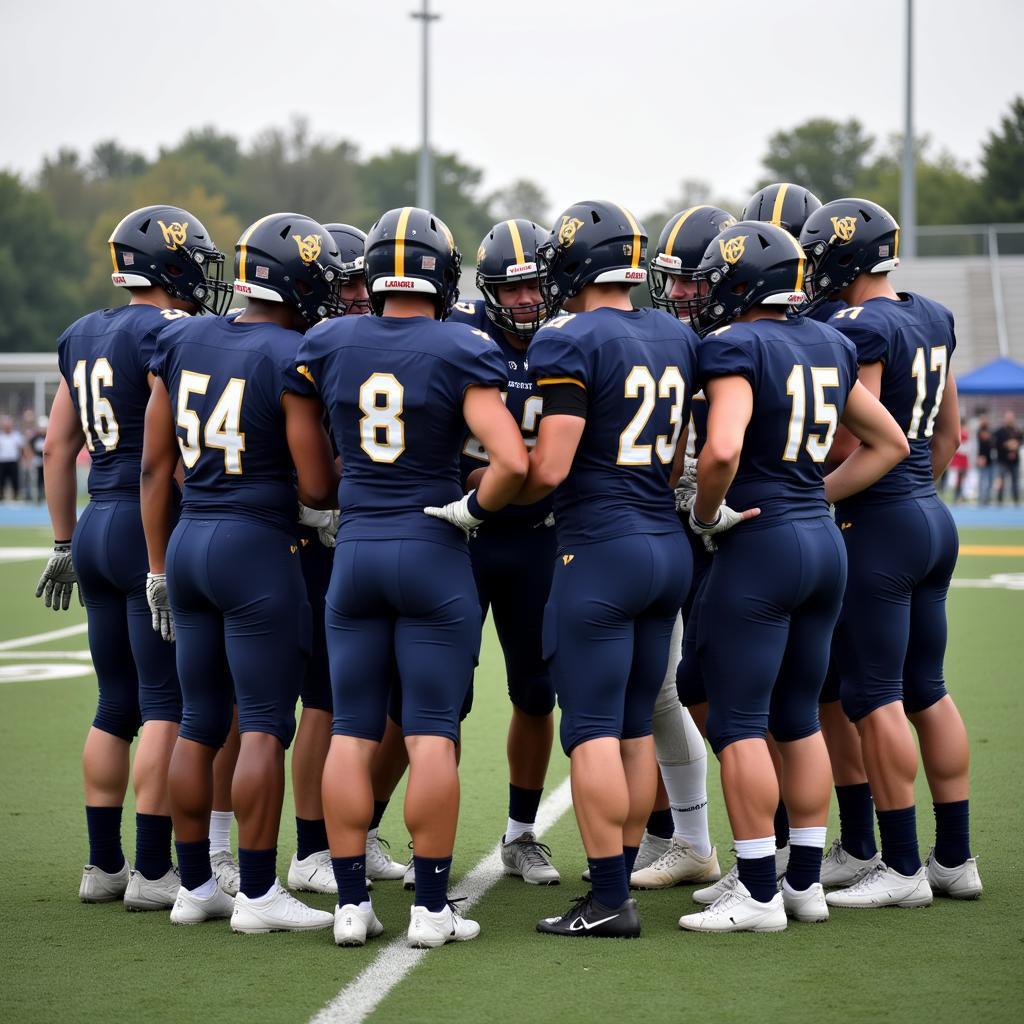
590	924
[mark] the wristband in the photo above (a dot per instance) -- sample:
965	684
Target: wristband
476	510
702	525
59	543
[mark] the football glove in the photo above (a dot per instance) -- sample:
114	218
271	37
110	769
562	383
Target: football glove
160	605
726	519
58	580
325	522
686	489
457	513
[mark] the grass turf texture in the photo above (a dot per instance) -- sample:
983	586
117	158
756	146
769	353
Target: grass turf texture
69	962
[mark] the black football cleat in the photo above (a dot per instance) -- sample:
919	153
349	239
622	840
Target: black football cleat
587	918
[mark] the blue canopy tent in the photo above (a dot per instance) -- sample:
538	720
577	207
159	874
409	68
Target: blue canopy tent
1000	377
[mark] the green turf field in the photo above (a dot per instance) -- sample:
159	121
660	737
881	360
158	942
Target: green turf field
63	961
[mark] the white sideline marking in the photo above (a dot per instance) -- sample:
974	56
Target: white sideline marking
357	1000
45	656
42	638
24	554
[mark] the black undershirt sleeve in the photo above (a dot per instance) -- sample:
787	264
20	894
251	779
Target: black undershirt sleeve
564	399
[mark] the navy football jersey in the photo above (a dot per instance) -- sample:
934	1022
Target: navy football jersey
826	310
638	368
522	398
104	357
225	380
393	388
801	373
914	340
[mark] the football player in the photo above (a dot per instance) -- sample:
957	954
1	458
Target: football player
513	554
402	611
902	545
170	266
228	580
777	386
616	388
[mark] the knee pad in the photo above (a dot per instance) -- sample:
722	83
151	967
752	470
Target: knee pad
921	694
860	697
533	695
209	730
677	740
794	720
118	720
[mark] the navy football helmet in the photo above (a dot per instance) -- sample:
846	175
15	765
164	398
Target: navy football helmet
409	250
681	246
785	205
591	243
351	243
507	255
845	238
286	257
749	264
168	247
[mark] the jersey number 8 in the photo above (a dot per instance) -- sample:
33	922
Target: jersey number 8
381	429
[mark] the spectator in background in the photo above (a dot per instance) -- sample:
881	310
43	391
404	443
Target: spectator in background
11	444
986	461
1007	442
34	446
956	471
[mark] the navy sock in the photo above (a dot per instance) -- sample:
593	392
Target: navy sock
952	833
629	855
898	830
523	803
781	826
758	875
194	863
350	874
152	845
256	869
660	824
311	836
609	879
104	826
379	807
857	820
804	868
432	881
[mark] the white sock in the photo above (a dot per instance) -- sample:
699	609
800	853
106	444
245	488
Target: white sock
514	829
754	849
220	831
206	890
808	837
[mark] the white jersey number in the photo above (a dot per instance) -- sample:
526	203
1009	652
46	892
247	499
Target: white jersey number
103	423
381	430
640	384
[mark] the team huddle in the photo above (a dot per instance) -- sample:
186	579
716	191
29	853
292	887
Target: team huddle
715	519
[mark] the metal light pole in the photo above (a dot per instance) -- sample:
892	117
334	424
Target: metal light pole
425	175
908	183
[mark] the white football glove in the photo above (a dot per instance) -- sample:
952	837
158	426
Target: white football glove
58	580
160	605
726	519
325	522
686	489
457	513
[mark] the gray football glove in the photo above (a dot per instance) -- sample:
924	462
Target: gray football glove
325	522
160	605
726	519
457	513
686	489
58	579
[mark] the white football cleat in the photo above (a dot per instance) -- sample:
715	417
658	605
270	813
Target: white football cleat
722	886
352	926
883	887
99	886
781	862
225	870
530	860
379	863
191	909
738	911
960	883
152	894
680	864
840	869
807	905
428	931
651	848
315	873
276	911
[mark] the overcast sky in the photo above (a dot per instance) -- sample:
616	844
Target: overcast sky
617	100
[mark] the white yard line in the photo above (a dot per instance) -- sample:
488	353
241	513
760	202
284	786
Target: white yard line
42	638
45	656
357	1000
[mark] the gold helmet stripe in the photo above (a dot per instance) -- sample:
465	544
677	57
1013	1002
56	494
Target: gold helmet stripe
801	261
113	258
636	235
896	246
243	244
780	198
683	217
403	224
517	241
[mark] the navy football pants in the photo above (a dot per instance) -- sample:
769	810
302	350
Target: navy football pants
135	669
891	639
317	563
689	681
240	613
401	613
607	629
769	608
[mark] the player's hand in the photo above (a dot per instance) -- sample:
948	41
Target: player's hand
726	519
58	580
325	522
160	605
457	513
686	489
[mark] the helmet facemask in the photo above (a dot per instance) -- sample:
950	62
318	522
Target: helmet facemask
523	321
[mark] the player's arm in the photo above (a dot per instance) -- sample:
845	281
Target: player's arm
156	484
679	458
311	451
882	445
845	441
493	426
730	406
561	427
946	432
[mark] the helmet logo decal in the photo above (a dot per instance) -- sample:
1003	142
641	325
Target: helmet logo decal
844	227
309	247
175	233
733	248
480	254
567	232
727	223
